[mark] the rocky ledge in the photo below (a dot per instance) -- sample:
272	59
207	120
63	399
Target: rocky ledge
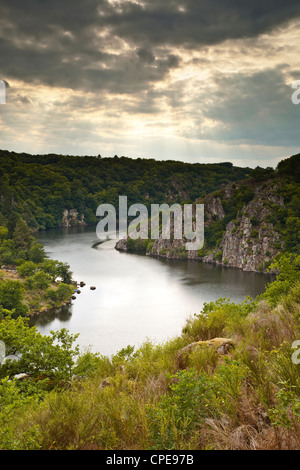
248	241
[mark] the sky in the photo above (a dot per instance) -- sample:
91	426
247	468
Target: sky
191	80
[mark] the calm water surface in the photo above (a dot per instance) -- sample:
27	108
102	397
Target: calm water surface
136	297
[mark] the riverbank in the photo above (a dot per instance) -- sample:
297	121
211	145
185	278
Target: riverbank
136	296
229	381
37	299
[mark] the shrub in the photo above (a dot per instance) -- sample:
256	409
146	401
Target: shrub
26	269
11	297
178	414
254	233
254	221
41	280
287	267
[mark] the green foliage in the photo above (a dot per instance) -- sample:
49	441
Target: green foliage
182	410
287	267
141	399
230	377
262	174
138	245
26	269
63	271
36	253
11	297
254	221
13	401
290	167
254	233
42	186
51	355
223	402
40	280
3	233
217	319
36	271
56	269
62	293
287	407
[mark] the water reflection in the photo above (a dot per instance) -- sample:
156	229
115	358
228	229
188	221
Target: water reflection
62	314
136	296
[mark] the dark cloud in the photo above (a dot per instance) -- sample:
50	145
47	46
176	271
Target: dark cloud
148	63
251	108
146	55
64	43
193	23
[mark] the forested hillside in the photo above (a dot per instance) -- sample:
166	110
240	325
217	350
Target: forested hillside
247	223
229	381
42	188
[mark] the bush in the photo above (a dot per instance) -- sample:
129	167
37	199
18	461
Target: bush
287	267
41	280
178	414
63	292
26	269
37	253
11	297
51	355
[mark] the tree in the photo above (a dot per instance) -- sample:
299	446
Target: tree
63	271
37	253
51	355
292	234
41	280
287	267
22	236
3	233
27	269
64	291
11	297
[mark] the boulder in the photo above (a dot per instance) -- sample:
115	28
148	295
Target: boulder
105	383
221	345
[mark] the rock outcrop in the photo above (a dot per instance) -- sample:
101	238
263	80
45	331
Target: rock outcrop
220	345
71	218
248	241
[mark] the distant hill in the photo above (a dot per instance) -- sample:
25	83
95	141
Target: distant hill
54	190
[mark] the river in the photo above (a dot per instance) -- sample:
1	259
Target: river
136	297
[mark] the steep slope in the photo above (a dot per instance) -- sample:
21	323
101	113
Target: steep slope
247	223
54	190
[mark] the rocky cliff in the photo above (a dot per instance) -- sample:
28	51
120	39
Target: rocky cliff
250	241
239	229
71	218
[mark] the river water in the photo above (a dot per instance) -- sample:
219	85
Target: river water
136	297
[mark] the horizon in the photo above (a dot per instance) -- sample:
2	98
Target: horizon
150	158
170	81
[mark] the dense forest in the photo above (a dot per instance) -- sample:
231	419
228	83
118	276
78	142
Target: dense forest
41	187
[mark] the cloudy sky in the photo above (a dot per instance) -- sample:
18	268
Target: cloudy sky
192	80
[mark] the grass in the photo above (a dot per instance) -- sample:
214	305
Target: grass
246	399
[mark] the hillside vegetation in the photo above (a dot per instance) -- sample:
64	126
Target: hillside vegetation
247	223
230	381
41	187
